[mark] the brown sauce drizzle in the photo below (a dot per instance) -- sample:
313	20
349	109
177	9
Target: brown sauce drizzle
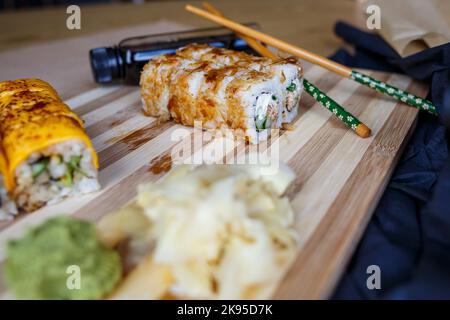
160	164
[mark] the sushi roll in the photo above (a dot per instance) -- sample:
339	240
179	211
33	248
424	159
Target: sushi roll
291	74
236	98
289	71
221	89
7	207
10	87
155	80
49	155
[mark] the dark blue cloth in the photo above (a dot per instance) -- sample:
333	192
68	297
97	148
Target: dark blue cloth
408	236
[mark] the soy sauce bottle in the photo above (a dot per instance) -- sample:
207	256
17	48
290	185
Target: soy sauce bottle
123	63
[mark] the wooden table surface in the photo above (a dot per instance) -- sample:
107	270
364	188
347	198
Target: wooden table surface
308	23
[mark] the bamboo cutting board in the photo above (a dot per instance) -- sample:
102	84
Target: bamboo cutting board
339	176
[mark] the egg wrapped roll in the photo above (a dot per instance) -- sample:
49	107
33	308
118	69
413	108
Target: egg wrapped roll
28	105
220	88
7	206
10	87
49	155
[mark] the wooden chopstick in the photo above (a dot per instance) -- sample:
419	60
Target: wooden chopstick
257	46
350	120
281	45
338	68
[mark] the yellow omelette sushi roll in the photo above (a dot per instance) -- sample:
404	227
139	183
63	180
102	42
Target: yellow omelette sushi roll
32	106
31	98
11	87
49	155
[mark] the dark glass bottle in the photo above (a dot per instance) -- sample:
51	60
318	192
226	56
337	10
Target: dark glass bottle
123	63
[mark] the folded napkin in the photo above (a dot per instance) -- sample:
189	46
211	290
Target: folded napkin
411	26
409	234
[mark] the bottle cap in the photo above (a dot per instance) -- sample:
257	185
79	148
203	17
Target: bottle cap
105	64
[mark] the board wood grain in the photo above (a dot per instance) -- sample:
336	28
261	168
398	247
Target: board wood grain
339	176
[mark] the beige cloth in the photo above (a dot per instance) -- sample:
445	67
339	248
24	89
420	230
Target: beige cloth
411	26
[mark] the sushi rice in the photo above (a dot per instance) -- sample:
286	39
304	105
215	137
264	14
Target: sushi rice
8	208
50	175
290	73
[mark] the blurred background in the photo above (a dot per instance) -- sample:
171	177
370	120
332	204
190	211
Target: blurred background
306	22
18	4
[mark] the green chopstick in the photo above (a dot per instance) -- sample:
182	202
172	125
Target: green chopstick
350	120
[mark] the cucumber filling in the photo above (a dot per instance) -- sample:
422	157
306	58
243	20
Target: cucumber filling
265	111
292	96
59	170
292	87
39	167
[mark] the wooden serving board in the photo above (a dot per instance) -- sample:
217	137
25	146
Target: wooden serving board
339	176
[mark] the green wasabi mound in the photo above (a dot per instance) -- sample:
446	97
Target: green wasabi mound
61	259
